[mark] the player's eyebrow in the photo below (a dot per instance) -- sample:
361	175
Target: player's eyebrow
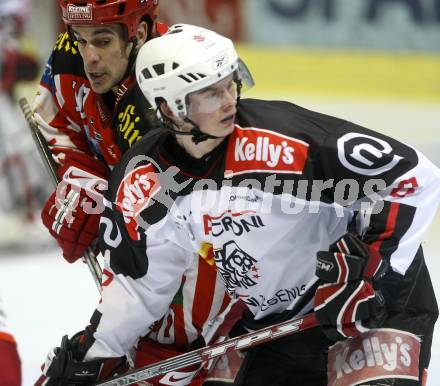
214	86
103	30
206	89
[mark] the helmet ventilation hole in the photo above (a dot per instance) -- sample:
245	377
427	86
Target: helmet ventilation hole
185	78
191	77
146	73
176	29
159	68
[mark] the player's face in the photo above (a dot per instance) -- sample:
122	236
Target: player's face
214	107
105	55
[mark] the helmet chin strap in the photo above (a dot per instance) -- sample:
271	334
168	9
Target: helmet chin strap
195	132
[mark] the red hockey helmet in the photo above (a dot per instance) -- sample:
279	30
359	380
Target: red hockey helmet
129	13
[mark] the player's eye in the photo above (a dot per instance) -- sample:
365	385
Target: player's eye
104	43
81	42
215	93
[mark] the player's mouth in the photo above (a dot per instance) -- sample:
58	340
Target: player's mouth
229	120
97	77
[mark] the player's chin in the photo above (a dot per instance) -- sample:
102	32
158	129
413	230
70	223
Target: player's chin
227	125
230	129
100	86
100	89
221	131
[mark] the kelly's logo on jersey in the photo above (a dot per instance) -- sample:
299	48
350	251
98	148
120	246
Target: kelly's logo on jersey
135	193
264	151
376	354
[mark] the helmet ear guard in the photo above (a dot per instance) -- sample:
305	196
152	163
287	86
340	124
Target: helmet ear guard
185	60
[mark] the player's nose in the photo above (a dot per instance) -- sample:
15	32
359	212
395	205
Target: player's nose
90	55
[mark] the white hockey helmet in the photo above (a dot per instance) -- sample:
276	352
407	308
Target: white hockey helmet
184	60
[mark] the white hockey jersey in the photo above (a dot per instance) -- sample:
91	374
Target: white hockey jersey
284	185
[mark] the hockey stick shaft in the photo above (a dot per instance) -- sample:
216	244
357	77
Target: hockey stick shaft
51	167
251	339
46	155
39	140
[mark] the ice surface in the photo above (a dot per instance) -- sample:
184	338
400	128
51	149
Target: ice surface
45	298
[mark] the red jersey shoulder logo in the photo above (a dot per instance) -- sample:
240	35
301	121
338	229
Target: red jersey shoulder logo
264	151
135	193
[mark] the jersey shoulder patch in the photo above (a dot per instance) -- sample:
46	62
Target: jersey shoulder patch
134	195
366	154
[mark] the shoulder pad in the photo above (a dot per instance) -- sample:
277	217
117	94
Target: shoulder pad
66	57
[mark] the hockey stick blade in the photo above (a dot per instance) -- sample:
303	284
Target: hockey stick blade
206	353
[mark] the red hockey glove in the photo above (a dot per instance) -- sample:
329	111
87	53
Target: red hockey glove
63	365
346	303
10	374
72	212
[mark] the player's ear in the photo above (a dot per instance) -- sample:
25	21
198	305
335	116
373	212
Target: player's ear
165	110
141	34
168	114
